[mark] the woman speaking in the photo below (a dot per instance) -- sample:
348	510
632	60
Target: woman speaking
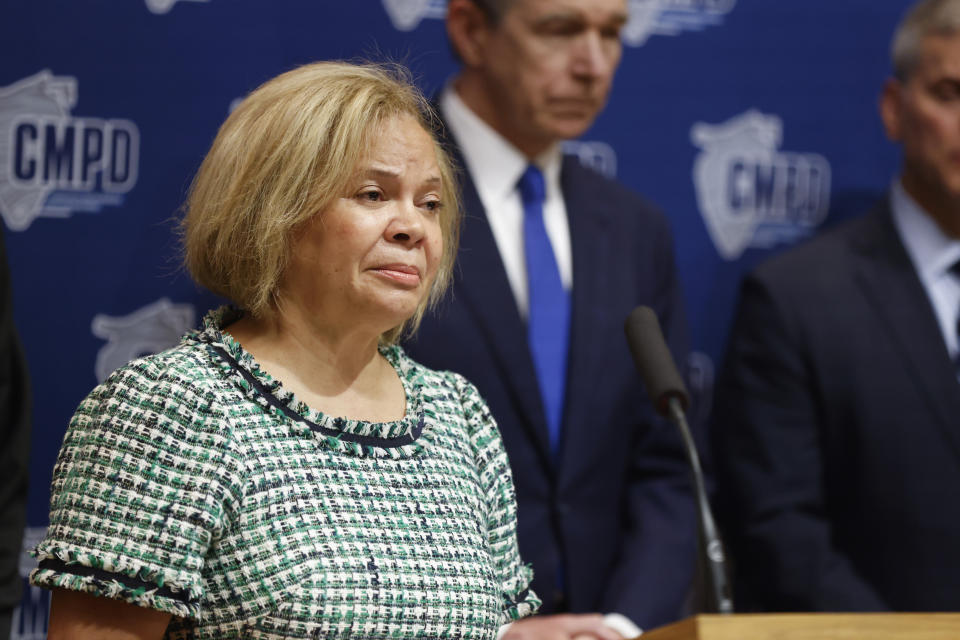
287	471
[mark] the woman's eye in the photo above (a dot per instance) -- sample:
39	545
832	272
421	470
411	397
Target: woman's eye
371	196
433	205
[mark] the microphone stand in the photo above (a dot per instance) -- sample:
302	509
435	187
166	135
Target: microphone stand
711	556
669	396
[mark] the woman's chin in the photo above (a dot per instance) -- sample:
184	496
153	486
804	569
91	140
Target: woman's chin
395	310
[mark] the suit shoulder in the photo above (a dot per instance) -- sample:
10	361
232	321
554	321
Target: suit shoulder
582	180
818	260
579	176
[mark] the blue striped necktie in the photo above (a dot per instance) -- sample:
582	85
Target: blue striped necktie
548	324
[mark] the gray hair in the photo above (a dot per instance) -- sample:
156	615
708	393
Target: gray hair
925	18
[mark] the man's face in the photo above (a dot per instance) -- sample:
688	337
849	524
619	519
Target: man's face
547	67
923	113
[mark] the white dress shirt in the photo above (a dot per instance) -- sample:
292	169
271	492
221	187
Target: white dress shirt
933	253
495	166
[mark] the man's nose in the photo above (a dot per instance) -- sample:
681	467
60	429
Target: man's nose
592	56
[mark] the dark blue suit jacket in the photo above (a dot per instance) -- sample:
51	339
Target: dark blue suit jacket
616	506
838	432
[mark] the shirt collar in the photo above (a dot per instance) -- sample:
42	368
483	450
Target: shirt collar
932	251
494	164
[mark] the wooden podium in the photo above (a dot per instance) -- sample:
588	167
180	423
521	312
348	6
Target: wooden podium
812	626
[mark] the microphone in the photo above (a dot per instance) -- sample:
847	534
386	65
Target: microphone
669	396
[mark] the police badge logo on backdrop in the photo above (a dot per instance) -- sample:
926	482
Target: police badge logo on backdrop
54	163
749	192
672	17
149	329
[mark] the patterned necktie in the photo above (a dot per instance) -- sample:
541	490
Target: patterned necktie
548	325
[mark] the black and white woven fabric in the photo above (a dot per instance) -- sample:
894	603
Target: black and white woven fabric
192	482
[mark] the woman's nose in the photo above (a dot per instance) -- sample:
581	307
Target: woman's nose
407	226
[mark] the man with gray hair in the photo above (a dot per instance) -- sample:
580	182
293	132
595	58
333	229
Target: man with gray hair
838	420
553	257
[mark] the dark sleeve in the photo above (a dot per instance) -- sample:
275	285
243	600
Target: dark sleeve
653	576
767	440
14	445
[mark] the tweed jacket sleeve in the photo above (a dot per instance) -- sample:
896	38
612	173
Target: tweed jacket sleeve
145	482
495	476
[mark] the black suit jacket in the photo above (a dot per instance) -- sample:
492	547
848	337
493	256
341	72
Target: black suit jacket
838	432
615	509
14	450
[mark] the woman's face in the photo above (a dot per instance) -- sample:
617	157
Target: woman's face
370	257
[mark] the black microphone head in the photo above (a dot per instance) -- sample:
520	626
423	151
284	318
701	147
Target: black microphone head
653	360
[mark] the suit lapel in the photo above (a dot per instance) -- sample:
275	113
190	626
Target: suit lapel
490	300
887	275
591	268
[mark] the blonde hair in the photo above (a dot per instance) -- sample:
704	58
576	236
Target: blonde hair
926	18
284	154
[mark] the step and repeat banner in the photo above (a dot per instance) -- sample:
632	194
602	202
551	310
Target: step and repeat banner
752	123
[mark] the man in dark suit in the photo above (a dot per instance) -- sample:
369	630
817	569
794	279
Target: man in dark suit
838	433
605	507
14	451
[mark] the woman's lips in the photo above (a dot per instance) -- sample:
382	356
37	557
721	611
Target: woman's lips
400	273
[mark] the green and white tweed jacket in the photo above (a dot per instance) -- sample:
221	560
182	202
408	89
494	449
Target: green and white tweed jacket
191	482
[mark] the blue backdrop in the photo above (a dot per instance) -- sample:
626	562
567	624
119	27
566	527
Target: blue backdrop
752	123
